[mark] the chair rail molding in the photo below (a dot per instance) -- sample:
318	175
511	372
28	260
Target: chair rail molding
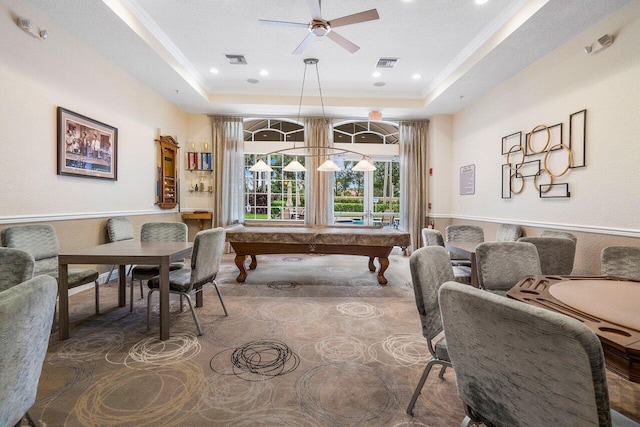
615	231
18	219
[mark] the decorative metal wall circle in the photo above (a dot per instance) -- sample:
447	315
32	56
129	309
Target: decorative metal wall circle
513	175
569	159
539	186
538	129
509	157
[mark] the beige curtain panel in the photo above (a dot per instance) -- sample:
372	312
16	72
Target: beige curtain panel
318	194
228	170
414	171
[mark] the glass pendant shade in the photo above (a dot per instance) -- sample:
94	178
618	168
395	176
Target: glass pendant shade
294	166
363	166
261	166
329	166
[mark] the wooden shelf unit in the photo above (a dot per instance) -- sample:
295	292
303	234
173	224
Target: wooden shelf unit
167	181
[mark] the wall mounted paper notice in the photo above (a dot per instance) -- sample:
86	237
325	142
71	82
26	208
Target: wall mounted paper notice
468	179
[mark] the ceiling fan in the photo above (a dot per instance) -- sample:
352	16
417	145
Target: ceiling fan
319	27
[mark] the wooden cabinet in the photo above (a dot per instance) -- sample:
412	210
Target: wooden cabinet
167	169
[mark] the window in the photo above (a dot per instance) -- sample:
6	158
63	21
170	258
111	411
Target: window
279	195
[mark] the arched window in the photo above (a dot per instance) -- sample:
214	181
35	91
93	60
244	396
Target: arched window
280	194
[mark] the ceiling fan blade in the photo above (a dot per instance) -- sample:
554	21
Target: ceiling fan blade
283	23
304	43
351	47
314	7
368	15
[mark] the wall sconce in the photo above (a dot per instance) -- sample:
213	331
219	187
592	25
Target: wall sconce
26	26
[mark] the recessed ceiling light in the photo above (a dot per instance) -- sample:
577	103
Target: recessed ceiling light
264	73
379	84
416	76
481	1
213	70
376	74
253	81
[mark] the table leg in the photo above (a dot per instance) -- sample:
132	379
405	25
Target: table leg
122	287
372	266
63	301
254	262
240	264
164	299
384	263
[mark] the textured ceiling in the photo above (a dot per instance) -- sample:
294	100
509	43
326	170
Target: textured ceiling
460	49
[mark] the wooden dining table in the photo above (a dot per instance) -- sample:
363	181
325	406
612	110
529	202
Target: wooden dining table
466	250
122	253
607	305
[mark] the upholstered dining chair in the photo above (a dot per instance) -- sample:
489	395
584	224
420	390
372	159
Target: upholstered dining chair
508	233
502	264
432	237
120	228
26	315
41	242
157	232
556	253
16	266
430	267
208	247
463	233
516	364
623	261
556	233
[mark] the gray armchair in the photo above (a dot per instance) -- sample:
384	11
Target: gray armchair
120	228
157	232
508	233
556	253
42	243
430	268
517	364
463	233
26	315
431	237
16	266
208	247
623	261
502	264
556	233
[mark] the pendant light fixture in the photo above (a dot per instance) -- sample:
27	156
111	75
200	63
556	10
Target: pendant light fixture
329	165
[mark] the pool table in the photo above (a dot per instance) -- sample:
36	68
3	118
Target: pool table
373	242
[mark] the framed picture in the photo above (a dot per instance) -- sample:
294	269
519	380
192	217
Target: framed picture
86	147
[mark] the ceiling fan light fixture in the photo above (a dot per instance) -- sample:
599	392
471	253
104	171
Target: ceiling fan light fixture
260	166
364	166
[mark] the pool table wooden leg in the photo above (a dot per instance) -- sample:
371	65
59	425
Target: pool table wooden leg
372	266
384	263
240	264
254	262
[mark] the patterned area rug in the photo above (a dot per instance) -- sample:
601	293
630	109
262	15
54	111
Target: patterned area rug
311	340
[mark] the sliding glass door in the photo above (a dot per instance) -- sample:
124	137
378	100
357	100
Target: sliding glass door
368	198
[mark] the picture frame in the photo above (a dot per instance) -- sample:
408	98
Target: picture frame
86	147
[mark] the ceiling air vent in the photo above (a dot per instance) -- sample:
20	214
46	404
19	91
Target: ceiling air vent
387	62
236	59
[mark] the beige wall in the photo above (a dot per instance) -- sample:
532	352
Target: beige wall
603	209
36	77
565	81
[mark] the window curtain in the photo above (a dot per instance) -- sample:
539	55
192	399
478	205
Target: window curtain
228	170
414	175
318	132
